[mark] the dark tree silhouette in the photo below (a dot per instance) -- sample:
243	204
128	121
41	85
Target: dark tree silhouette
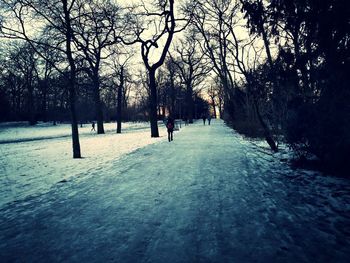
193	67
311	71
165	27
120	99
216	22
58	18
96	28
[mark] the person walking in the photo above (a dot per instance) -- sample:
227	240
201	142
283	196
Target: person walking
209	119
204	118
93	126
170	128
186	121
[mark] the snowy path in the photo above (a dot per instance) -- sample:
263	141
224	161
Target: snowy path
208	196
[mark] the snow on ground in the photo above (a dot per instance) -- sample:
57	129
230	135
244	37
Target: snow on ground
208	196
42	155
19	132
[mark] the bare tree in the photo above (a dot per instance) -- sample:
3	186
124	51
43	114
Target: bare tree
95	29
193	67
217	23
56	19
119	63
213	95
27	64
163	23
170	90
208	21
18	81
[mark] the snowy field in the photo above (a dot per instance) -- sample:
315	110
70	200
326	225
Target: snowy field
20	131
208	196
34	158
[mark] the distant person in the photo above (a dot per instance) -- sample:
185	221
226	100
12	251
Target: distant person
170	128
186	121
209	119
93	126
204	118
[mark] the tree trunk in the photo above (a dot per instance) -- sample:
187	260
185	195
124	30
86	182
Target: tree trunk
53	116
189	99
172	96
30	101
153	103
266	44
119	100
71	88
44	88
75	132
267	134
31	107
220	107
98	104
214	106
266	129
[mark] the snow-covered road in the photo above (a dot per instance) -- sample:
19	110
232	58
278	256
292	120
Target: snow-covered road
208	196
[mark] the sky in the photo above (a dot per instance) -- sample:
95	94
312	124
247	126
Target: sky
136	62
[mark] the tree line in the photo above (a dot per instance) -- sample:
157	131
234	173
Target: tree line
73	55
285	78
273	69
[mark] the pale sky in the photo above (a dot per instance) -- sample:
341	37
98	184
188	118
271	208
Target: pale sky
136	62
241	32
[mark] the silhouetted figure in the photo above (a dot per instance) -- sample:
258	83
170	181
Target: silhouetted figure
170	127
93	126
186	121
209	119
204	118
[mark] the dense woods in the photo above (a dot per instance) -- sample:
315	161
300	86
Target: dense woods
276	70
303	92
